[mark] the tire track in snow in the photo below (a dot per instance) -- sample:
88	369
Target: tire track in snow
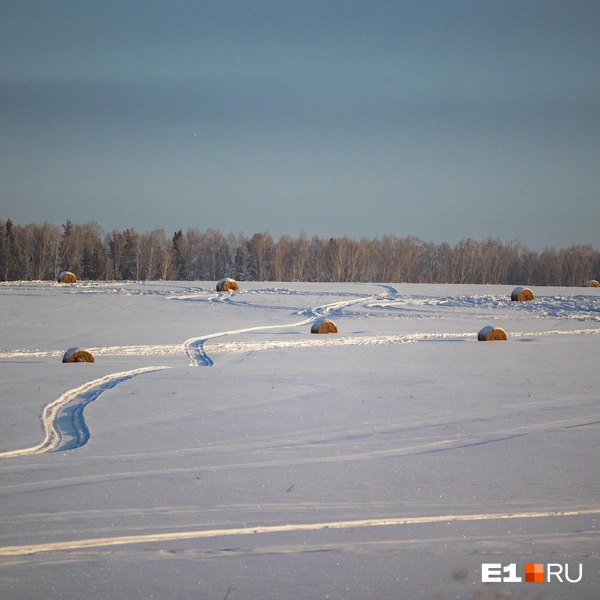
214	533
60	425
147	350
371	340
337	307
379	340
412	449
194	347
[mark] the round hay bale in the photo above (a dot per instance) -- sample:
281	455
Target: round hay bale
490	333
66	277
325	326
227	285
521	294
73	355
591	283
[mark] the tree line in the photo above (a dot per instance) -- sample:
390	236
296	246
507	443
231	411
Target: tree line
41	251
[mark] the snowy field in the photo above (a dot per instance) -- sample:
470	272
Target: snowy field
218	450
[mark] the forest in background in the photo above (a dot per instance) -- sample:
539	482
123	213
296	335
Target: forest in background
41	251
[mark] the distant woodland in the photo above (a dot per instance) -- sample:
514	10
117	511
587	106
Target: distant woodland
41	251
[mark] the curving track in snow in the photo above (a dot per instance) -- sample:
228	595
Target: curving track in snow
62	419
194	347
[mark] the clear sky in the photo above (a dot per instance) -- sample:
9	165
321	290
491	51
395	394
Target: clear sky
443	119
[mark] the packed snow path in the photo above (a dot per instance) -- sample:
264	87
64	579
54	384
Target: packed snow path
194	347
258	529
62	419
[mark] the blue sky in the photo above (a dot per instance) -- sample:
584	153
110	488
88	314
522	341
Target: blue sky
439	119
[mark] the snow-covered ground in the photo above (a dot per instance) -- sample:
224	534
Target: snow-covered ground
216	449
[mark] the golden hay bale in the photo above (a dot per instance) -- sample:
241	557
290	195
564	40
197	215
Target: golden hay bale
591	283
521	294
66	277
324	327
490	333
227	285
77	355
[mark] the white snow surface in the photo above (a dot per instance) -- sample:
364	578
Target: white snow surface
216	449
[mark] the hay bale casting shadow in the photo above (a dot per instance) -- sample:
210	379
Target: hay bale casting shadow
591	283
521	294
324	327
490	333
227	285
73	355
66	277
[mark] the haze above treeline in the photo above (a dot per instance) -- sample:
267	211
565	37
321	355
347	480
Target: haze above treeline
41	251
